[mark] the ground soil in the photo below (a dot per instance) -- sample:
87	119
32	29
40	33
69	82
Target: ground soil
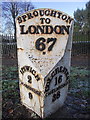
73	108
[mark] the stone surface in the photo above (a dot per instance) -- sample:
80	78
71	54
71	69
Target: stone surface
44	40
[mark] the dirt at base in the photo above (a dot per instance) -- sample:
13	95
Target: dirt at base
73	108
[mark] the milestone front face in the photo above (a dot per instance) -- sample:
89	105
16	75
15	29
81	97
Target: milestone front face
44	46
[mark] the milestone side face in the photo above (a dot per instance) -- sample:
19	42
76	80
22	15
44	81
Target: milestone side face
44	47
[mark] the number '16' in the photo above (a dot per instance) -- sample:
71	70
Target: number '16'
40	43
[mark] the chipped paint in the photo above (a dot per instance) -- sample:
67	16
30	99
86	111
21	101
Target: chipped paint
44	40
20	49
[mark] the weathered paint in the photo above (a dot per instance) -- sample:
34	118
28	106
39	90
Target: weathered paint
44	52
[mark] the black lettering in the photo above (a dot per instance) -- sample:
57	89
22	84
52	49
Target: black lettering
32	89
32	29
49	29
19	20
58	94
47	20
66	71
57	29
29	79
58	80
57	70
27	68
30	95
37	77
64	17
48	84
22	30
53	41
59	15
24	17
49	80
40	44
33	72
61	68
53	13
35	13
47	12
46	88
41	12
29	15
62	30
53	74
69	19
66	28
42	20
40	29
67	77
31	69
45	29
22	70
54	97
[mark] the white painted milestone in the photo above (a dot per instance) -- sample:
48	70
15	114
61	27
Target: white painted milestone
44	41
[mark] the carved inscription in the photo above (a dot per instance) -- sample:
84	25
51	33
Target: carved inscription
29	79
41	43
44	12
59	69
48	29
31	70
56	89
56	96
32	89
44	45
30	95
44	27
36	75
58	80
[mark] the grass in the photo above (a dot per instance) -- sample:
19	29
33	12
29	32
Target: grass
79	82
79	87
10	83
81	36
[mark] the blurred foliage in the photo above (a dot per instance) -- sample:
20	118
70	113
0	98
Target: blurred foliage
82	19
81	36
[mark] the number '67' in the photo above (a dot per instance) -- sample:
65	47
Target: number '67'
40	43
